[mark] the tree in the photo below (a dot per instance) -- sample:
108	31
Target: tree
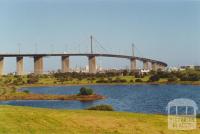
86	91
32	79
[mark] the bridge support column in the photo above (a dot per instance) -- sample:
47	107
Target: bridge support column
92	64
145	65
161	67
1	65
65	64
20	66
133	64
154	66
38	64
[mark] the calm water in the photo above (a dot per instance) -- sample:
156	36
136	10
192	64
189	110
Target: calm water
131	98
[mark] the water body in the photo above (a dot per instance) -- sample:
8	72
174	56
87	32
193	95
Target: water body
130	98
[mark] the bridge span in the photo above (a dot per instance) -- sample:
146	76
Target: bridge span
148	64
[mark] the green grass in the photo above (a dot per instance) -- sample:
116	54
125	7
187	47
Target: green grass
50	81
25	120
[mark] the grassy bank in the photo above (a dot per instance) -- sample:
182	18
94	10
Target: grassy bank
10	85
24	120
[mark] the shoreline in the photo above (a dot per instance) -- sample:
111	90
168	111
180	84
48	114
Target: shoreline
30	96
86	121
88	84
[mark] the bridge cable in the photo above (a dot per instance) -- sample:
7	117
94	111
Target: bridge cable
99	44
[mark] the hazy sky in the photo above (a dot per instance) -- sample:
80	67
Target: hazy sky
163	30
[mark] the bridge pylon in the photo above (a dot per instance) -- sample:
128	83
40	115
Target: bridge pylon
91	45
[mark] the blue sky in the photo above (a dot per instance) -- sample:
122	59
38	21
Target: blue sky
163	30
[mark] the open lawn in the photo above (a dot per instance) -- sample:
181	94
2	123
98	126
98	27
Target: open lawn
24	120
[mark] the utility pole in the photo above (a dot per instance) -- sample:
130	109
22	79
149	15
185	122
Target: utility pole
91	44
133	54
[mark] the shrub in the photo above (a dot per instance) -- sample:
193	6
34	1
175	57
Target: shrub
131	81
26	91
18	81
138	80
110	79
86	91
102	80
154	78
118	80
101	107
190	77
172	79
32	79
138	75
123	80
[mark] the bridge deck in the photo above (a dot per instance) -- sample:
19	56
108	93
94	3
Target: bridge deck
82	54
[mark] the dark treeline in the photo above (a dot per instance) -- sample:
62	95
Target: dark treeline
108	77
186	75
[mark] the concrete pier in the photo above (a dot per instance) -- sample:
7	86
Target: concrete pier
1	65
154	66
145	65
20	66
65	64
92	64
38	64
133	64
161	67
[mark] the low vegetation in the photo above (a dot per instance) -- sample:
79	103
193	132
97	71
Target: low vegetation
138	80
27	120
191	76
102	107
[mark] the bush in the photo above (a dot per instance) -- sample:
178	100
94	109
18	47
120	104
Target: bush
102	80
32	79
101	107
172	79
131	81
154	78
18	81
137	75
118	80
190	77
26	91
138	80
86	91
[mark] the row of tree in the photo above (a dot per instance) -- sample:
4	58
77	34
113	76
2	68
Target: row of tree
187	75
